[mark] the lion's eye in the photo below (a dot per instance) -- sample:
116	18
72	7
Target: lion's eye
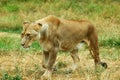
39	24
27	34
22	34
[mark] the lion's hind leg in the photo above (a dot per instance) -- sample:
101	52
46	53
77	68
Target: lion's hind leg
94	49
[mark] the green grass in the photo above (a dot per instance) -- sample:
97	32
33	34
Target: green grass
6	76
9	43
11	8
18	11
13	30
12	43
15	75
110	42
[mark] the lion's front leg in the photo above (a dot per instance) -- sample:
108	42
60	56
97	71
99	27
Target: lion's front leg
45	58
49	66
75	57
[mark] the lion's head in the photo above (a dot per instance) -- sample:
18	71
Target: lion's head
31	32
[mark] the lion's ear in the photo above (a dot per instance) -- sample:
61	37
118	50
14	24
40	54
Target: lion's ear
39	24
25	24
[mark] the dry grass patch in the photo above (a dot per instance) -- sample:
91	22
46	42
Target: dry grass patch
28	66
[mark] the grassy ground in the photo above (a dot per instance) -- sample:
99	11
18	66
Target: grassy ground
18	64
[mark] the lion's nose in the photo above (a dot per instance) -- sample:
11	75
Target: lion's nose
22	44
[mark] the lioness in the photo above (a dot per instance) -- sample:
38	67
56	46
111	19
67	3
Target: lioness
57	34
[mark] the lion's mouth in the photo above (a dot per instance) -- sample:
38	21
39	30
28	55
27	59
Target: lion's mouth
25	48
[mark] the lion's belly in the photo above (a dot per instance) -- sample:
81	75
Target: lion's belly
67	45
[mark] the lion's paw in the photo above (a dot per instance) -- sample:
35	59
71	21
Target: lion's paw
47	75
